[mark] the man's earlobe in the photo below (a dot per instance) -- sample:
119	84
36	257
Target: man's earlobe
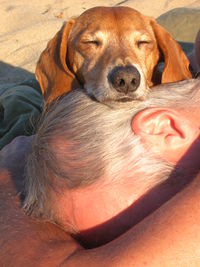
167	132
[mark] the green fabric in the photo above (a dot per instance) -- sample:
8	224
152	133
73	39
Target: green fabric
187	47
182	23
20	108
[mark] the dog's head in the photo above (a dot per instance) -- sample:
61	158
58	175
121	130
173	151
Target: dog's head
111	52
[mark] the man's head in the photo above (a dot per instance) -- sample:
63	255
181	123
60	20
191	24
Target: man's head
90	162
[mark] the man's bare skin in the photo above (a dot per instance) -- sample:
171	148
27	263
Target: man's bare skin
26	241
170	235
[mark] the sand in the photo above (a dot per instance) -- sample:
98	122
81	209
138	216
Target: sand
26	27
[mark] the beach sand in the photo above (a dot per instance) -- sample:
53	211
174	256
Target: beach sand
26	27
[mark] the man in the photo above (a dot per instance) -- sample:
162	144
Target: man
96	171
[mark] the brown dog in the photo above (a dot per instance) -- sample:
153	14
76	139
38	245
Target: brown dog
111	52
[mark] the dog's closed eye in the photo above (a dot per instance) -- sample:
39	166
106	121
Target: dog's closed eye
92	42
143	43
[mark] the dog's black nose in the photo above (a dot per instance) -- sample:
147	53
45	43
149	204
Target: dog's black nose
124	79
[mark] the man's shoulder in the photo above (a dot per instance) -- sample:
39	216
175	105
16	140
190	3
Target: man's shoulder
16	151
26	241
34	244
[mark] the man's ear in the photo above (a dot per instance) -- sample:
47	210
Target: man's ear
165	131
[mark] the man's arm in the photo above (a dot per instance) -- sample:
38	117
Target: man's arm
168	237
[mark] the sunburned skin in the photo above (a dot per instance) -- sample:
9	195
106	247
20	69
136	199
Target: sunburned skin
51	246
163	229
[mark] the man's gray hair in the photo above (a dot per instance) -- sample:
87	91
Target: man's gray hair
80	141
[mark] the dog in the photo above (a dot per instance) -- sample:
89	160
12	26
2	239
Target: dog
113	53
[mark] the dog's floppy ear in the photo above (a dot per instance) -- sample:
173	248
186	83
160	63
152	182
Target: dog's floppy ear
176	64
52	72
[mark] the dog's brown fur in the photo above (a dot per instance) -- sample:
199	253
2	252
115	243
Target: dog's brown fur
87	48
